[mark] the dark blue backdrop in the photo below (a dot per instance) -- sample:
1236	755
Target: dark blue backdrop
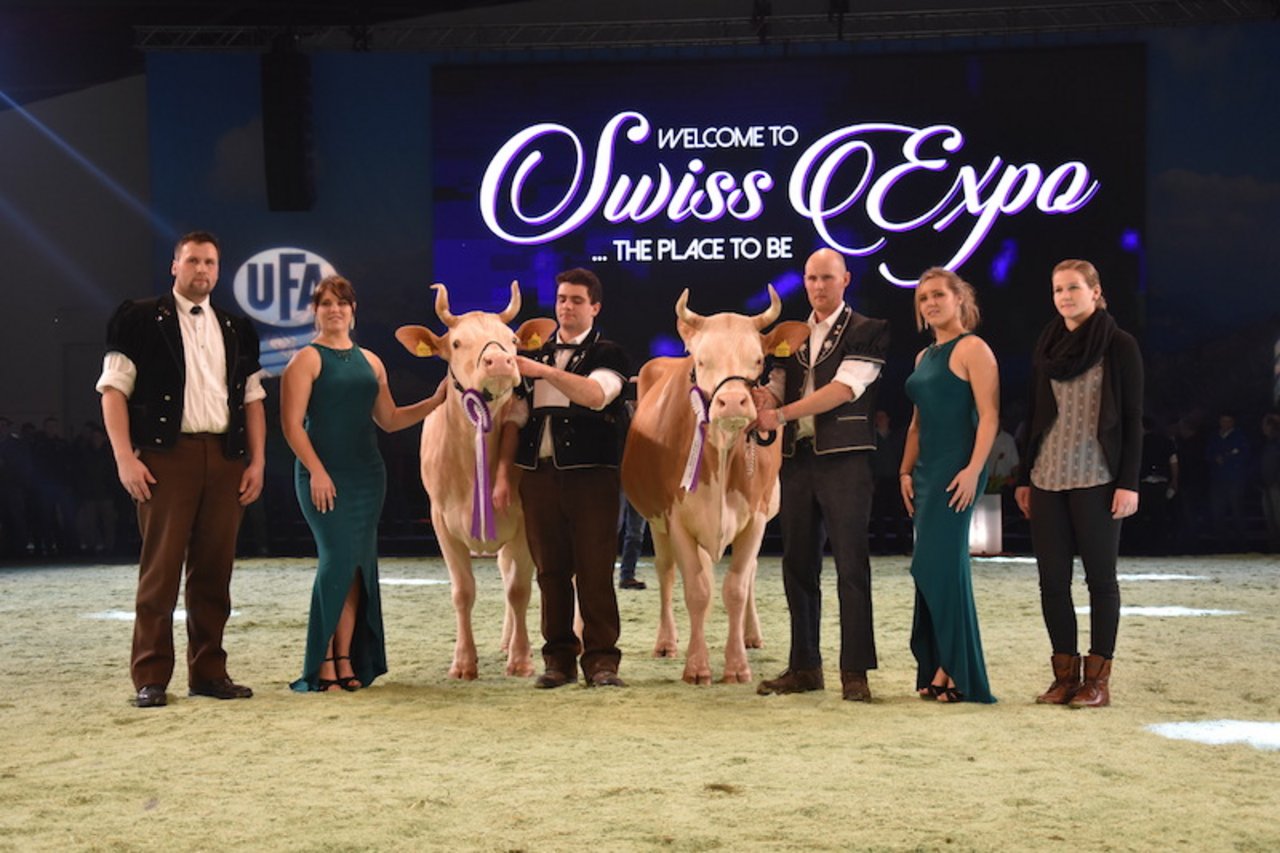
401	148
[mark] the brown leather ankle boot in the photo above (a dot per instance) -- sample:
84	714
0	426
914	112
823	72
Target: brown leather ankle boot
1066	680
1095	692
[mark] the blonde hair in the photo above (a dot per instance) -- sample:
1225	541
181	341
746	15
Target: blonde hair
1088	271
970	315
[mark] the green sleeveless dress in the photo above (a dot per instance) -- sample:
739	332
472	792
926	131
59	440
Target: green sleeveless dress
944	631
340	425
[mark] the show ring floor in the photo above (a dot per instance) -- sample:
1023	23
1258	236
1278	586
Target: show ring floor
1187	756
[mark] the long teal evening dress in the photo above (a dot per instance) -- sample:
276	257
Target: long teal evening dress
945	628
341	429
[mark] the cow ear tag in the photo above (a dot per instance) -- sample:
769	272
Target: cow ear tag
535	341
423	349
782	350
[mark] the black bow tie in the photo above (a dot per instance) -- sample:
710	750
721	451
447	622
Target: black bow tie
196	310
573	347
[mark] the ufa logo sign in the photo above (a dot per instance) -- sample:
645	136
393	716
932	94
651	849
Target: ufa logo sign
274	287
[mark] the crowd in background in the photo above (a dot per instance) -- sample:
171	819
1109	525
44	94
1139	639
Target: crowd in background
1210	484
59	495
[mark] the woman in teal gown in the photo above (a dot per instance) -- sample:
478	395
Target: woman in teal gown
955	389
332	394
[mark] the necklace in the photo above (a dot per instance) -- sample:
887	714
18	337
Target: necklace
342	354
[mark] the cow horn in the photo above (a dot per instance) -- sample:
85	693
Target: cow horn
684	315
771	313
442	306
513	307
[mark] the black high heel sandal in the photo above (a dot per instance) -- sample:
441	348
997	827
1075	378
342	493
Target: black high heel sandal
931	690
950	695
349	683
323	684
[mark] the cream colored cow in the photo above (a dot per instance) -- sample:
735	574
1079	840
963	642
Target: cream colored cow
480	349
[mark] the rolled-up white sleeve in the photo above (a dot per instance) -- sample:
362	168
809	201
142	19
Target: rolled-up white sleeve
118	372
253	390
610	383
857	374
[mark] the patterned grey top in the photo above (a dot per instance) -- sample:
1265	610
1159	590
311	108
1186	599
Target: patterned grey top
1071	456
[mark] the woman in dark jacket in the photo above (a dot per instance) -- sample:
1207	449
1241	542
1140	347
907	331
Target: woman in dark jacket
1080	478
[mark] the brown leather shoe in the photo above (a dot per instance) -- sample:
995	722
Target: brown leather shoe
854	686
1066	680
793	681
220	688
605	678
1095	692
554	678
151	696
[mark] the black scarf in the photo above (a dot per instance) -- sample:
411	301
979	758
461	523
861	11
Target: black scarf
1063	354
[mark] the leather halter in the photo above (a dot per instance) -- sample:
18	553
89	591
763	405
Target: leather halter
707	398
750	383
486	395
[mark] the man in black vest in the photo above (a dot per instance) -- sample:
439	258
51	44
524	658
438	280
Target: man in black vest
182	403
569	449
824	396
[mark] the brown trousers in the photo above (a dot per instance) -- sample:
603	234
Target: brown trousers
190	522
571	518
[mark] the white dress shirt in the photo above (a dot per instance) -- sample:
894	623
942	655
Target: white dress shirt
546	394
204	401
854	373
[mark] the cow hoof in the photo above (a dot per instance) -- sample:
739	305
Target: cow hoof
741	677
698	678
754	643
665	651
523	670
464	673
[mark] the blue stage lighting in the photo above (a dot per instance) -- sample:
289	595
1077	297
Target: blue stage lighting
131	201
666	345
55	255
1002	263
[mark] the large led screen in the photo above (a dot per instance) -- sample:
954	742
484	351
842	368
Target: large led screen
719	176
722	177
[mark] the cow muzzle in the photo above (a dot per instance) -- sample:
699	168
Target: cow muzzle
732	407
496	371
493	374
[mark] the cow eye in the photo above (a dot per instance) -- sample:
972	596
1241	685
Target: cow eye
457	344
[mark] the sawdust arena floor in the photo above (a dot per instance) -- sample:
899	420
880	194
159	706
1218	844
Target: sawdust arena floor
419	762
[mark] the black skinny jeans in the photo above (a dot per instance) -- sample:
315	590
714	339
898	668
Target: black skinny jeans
1063	524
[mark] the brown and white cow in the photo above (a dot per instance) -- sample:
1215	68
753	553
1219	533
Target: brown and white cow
698	507
480	349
